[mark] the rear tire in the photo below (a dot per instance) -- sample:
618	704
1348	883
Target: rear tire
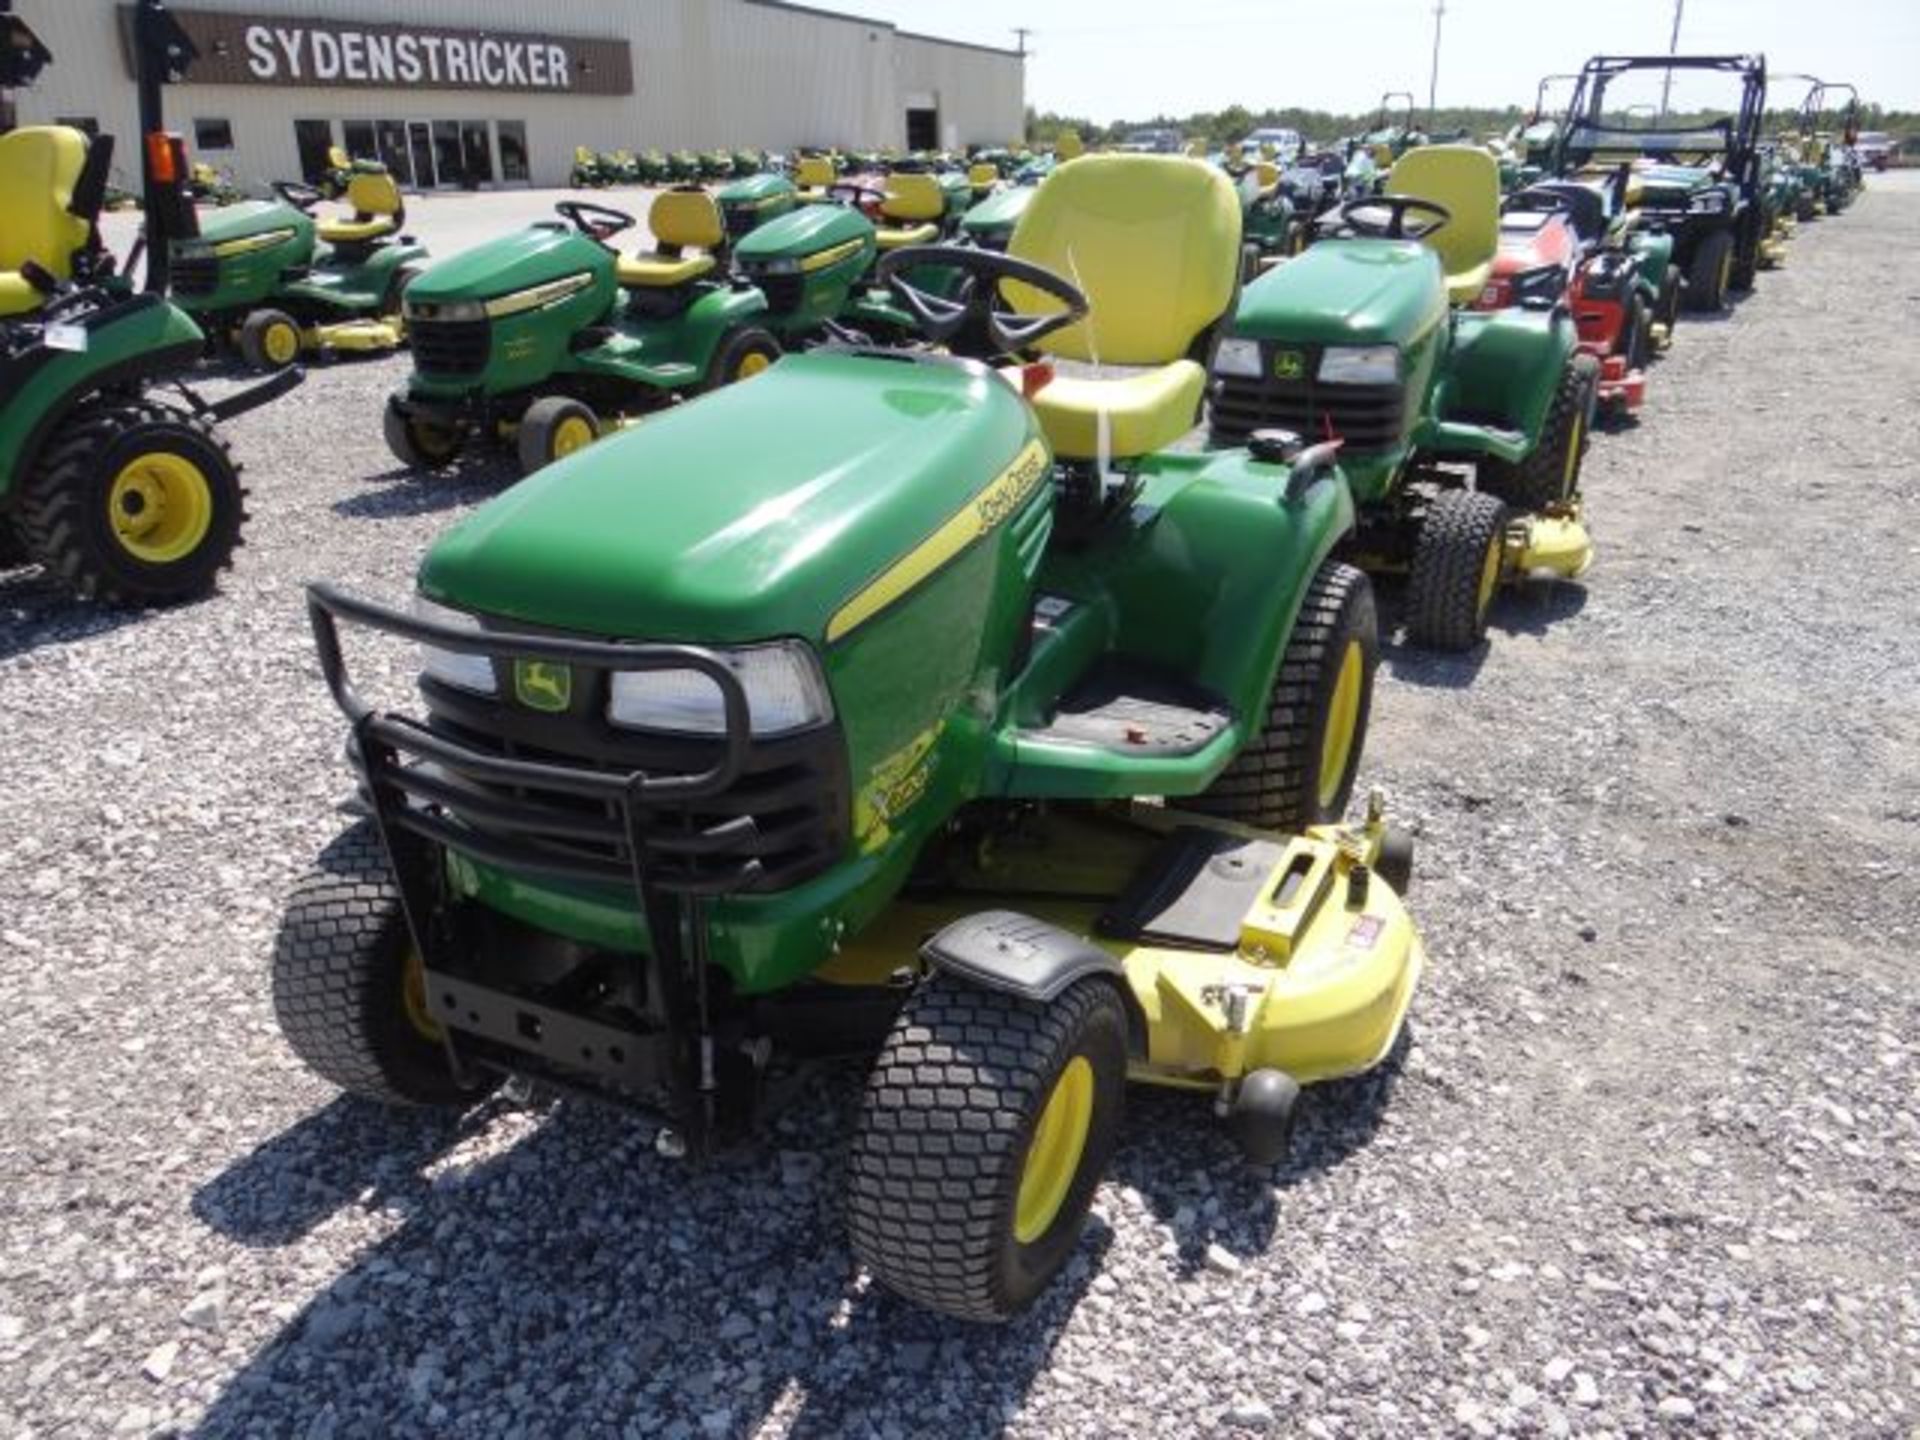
420	444
951	1201
740	355
1709	272
269	340
13	553
1550	473
1456	569
1300	769
554	427
134	503
341	975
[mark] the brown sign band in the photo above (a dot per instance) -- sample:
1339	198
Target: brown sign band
279	50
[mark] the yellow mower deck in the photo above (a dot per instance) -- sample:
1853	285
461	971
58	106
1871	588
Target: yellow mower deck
1555	541
360	336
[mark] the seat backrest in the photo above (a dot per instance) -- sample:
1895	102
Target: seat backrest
39	168
373	193
814	172
1069	146
1152	240
338	158
914	197
1266	175
1465	179
685	217
982	174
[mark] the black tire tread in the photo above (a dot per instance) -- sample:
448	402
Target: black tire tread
1534	482
1443	591
1704	295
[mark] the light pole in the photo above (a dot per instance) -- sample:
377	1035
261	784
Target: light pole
1673	48
1433	77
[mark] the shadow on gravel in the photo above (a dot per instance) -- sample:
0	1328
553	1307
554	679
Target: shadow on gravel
576	1284
406	495
35	613
1530	609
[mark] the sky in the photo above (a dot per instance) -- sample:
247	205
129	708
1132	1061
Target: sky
1112	59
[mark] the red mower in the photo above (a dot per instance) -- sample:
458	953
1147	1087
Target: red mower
1572	242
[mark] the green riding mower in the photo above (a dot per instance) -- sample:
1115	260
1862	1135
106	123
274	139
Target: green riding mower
653	168
1272	230
275	282
747	204
550	337
1698	182
587	173
118	493
1366	341
836	746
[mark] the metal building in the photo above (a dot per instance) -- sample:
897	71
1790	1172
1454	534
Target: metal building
451	97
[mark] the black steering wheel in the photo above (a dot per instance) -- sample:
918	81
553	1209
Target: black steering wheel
1397	208
301	196
601	222
974	317
1535	200
856	196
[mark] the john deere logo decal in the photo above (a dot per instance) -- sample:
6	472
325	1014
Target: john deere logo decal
1289	365
542	686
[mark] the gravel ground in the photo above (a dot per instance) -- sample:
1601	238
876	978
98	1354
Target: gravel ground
1650	1163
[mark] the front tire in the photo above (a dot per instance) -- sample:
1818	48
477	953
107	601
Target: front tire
1550	473
1456	569
269	340
987	1123
741	355
1709	273
417	443
348	987
1300	769
554	427
134	503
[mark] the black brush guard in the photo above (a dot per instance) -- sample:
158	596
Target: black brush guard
411	779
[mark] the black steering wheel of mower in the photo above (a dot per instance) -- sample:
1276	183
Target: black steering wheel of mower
1535	201
1397	208
855	196
303	197
600	222
976	318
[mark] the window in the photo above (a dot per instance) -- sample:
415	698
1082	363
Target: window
513	151
86	123
213	134
478	154
448	163
313	139
357	136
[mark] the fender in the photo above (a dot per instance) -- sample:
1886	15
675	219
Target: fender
1017	955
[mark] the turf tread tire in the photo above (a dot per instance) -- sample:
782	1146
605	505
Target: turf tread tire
948	1113
1274	782
1540	479
1443	590
1705	294
734	347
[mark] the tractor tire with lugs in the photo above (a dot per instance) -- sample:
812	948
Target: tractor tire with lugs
1456	569
269	340
742	353
420	444
1709	272
987	1123
343	965
1299	770
134	502
1550	472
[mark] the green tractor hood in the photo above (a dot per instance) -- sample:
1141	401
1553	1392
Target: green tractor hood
991	222
250	219
757	512
803	234
545	252
1348	292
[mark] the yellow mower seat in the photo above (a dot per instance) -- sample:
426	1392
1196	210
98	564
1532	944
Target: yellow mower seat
983	176
1465	179
377	211
813	175
39	167
1154	242
916	199
682	219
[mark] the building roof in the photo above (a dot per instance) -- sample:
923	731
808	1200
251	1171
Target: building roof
851	19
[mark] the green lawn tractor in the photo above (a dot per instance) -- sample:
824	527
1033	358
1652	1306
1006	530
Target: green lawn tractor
275	282
1272	229
588	173
550	337
1699	182
683	167
715	166
118	493
747	204
991	222
1365	340
832	743
653	168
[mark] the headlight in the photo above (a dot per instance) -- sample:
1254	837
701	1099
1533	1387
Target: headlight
1238	357
1360	365
1710	202
785	692
452	667
452	310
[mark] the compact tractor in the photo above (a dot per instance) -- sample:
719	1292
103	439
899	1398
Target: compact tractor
832	740
1368	341
118	492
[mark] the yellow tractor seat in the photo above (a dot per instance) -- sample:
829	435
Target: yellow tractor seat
39	168
813	175
983	176
1266	177
1465	179
917	200
1069	146
1154	243
378	211
682	219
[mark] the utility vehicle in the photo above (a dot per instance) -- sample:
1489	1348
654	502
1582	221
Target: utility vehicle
550	336
120	494
1699	184
829	738
1365	340
274	281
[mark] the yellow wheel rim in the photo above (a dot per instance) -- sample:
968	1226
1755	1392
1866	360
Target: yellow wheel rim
162	507
1053	1159
1343	720
281	342
1573	454
413	997
571	434
751	365
1489	576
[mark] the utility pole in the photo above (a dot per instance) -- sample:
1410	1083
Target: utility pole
1673	48
1022	31
1433	79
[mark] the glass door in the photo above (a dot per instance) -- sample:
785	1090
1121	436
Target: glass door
420	146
